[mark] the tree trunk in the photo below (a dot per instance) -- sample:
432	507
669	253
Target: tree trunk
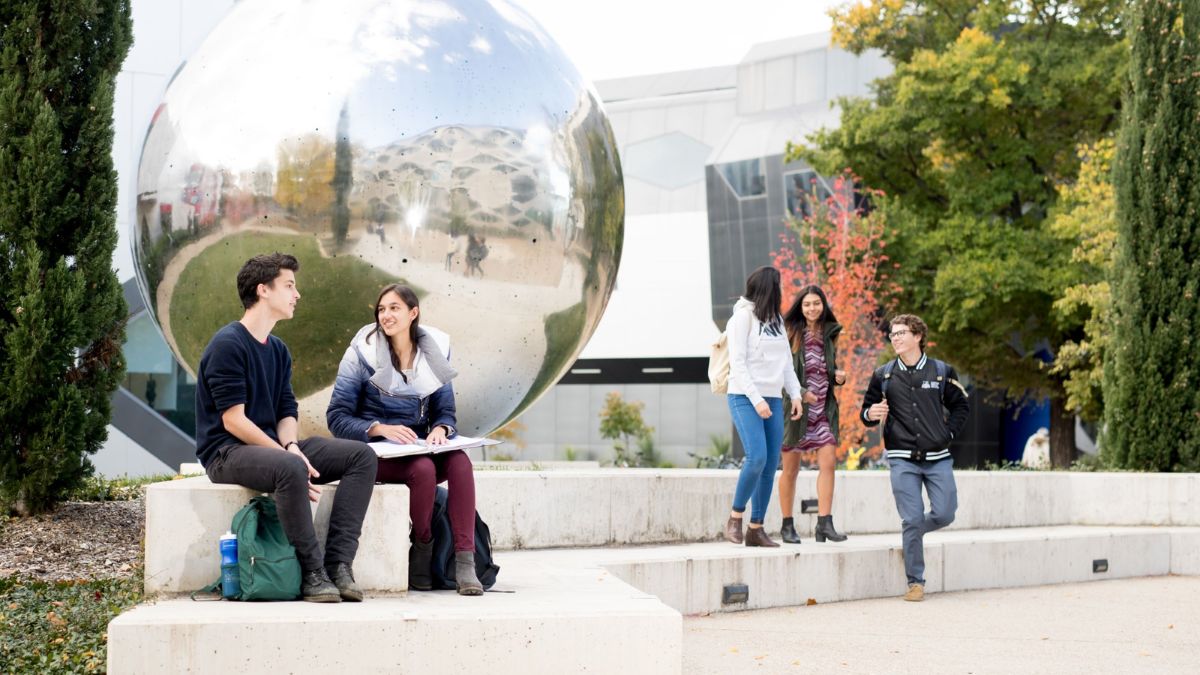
1062	433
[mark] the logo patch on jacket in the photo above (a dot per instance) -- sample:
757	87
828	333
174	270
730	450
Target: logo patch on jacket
929	384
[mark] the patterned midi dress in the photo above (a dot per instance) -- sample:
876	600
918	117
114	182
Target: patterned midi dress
818	434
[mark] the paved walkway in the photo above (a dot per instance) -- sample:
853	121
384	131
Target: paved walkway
1149	625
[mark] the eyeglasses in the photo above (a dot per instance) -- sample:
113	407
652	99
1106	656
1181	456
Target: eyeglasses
899	333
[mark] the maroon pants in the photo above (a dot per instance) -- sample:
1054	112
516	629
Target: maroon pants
421	474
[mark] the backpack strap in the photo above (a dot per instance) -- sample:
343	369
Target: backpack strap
887	376
211	589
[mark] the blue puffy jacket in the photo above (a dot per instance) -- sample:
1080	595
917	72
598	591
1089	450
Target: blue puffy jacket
359	400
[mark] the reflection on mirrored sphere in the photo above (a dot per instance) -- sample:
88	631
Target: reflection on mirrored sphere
447	145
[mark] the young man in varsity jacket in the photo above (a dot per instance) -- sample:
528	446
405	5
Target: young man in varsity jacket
923	407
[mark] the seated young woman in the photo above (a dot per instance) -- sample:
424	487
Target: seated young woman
394	383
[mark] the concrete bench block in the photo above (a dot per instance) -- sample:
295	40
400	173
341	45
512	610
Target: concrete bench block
185	519
1185	551
1038	556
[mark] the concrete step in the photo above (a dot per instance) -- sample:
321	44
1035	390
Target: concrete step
614	610
547	618
690	577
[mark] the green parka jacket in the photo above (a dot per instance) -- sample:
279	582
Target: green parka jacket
794	430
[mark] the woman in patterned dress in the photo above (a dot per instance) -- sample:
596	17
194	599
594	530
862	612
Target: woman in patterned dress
813	331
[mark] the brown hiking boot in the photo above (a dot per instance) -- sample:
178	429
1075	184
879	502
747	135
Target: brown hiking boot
733	530
757	536
916	593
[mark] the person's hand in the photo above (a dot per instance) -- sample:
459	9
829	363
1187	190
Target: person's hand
797	410
839	377
437	436
395	432
314	491
808	397
763	410
878	412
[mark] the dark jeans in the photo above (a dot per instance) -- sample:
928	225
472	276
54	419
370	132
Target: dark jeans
273	470
422	473
907	478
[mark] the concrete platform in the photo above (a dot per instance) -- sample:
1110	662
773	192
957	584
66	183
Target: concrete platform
1119	627
548	619
623	507
617	608
690	577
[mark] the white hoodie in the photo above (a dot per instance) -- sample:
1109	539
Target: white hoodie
760	359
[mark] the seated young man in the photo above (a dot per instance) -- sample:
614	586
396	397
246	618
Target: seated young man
247	432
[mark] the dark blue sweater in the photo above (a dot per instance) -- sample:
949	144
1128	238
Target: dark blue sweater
238	369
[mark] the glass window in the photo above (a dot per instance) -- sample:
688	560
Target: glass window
746	178
804	189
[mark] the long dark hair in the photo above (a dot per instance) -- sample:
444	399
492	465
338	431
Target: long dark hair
794	317
762	288
410	298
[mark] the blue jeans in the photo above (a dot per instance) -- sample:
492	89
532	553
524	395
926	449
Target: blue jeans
938	479
761	440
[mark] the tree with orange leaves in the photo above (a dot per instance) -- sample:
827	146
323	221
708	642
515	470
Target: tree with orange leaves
842	251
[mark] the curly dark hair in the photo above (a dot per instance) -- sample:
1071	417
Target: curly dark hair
914	323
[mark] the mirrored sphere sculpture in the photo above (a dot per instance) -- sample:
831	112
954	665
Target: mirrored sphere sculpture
450	146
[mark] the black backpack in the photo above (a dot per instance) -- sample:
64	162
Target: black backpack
442	566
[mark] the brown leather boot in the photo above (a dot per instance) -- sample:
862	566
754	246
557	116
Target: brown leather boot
757	536
733	530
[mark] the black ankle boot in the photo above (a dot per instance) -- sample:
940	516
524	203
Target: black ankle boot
788	532
420	558
825	530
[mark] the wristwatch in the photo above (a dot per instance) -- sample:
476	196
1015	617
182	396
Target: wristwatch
290	444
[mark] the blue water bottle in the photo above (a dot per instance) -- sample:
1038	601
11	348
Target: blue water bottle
231	586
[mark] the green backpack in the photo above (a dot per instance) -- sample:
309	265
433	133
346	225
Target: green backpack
267	561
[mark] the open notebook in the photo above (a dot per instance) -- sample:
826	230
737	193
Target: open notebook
387	449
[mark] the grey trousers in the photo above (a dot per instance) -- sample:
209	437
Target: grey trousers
353	463
907	479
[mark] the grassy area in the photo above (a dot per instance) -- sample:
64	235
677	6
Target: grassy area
101	489
337	296
60	627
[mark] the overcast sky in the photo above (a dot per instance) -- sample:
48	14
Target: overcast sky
620	38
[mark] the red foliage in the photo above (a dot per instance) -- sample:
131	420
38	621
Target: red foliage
843	253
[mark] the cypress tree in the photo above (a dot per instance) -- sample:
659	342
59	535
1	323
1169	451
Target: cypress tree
1152	371
62	311
343	177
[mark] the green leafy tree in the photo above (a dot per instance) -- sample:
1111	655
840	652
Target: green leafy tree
623	420
1086	217
62	314
1152	370
969	138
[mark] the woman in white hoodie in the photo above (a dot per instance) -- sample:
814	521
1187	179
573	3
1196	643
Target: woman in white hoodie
760	367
